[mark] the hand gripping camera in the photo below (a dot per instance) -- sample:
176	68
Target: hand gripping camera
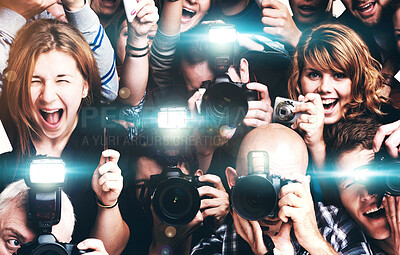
382	176
255	196
45	178
176	200
283	111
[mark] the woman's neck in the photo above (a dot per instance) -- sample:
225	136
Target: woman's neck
54	147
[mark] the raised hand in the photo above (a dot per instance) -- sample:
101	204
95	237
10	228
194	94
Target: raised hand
279	23
27	8
107	180
216	204
392	132
260	112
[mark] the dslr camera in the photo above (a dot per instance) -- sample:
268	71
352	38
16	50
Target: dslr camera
45	178
382	176
175	197
283	111
223	102
255	196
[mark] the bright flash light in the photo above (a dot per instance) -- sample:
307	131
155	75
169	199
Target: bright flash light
222	34
47	171
361	175
172	117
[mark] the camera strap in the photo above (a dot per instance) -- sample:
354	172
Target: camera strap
269	244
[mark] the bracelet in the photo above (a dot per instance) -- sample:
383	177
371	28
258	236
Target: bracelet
133	48
137	56
99	203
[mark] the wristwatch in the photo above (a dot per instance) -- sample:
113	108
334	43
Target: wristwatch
269	244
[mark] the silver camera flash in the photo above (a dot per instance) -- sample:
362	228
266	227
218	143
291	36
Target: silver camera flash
258	162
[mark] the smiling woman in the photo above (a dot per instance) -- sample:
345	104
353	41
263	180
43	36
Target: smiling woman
336	77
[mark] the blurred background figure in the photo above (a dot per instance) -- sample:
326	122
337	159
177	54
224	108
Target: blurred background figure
106	9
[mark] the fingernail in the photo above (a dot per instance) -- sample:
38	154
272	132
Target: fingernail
81	245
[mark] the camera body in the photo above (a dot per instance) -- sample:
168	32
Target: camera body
283	111
255	196
224	102
47	244
382	176
45	177
174	196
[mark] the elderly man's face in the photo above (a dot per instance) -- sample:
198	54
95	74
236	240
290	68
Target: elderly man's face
14	230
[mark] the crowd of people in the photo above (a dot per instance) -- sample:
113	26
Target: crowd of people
160	125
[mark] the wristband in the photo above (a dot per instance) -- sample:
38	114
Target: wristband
137	56
99	203
133	48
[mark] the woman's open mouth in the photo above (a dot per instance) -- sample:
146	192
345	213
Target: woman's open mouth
51	117
329	105
187	15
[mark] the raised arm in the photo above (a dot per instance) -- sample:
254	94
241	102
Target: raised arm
107	185
162	52
13	15
136	64
85	19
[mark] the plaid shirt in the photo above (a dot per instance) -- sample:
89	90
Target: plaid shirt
334	224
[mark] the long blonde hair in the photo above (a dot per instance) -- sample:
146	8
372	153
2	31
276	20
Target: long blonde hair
336	47
35	38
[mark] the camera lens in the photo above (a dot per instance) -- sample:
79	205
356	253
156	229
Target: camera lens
224	104
393	179
285	111
254	197
50	249
176	201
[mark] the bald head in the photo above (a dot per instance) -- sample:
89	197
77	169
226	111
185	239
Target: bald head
286	149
